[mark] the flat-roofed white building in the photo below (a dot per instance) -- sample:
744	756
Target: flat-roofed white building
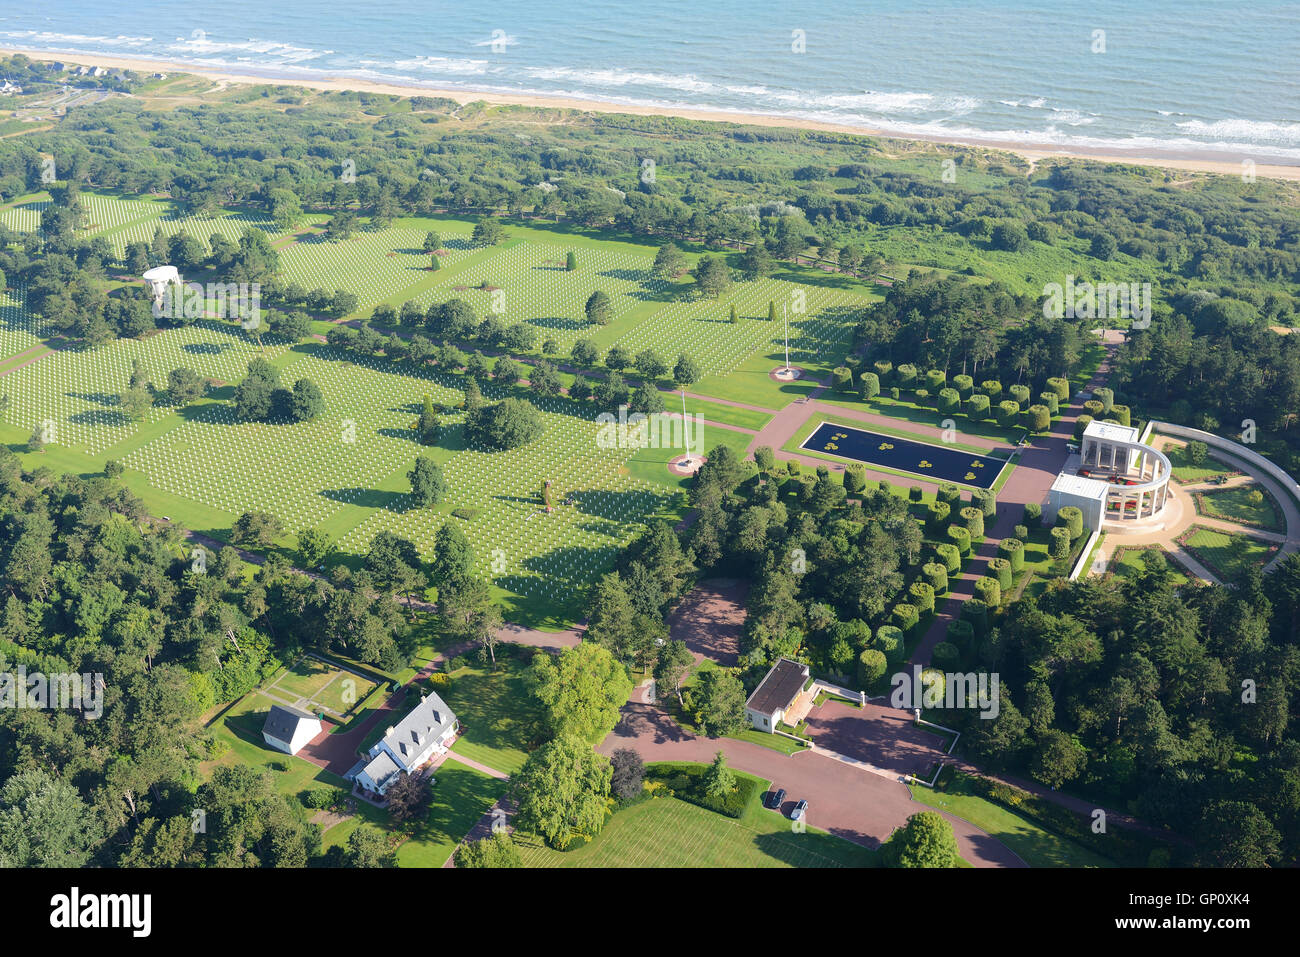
1086	494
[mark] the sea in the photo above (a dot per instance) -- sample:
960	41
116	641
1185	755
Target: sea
1195	78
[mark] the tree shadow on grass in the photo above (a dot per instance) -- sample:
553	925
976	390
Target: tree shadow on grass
396	502
99	398
107	417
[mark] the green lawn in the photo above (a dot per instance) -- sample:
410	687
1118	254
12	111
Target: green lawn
1226	555
1188	474
1126	561
496	714
1035	846
668	832
1234	505
461	796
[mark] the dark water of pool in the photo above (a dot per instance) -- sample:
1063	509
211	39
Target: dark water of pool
934	462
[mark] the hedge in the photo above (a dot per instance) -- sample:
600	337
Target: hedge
889	639
1072	518
973	519
991	388
964	385
1013	550
989	591
987	500
949	401
961	538
937	576
1038	418
1060	546
686	781
945	657
871	667
960	633
904	617
1050	400
1060	386
841	379
1000	568
975	611
921	595
950	555
868	385
977	407
1008	412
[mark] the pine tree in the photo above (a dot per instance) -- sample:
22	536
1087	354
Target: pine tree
734	318
571	261
771	311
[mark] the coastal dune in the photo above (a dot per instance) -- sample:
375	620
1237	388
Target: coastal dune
1219	163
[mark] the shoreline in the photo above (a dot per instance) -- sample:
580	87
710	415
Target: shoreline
1216	162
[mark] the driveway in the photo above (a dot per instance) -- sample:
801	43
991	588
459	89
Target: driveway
878	734
846	801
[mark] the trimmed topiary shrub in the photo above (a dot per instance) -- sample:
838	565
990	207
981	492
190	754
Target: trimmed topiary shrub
1060	546
935	379
977	407
1121	414
976	612
989	591
945	657
922	396
1000	568
938	518
1013	550
1072	518
964	385
1021	532
1080	424
991	388
1060	386
1019	393
960	633
915	493
894	393
949	401
872	666
841	379
889	639
1008	412
937	576
973	519
904	617
884	371
950	555
868	386
948	493
960	537
1033	513
905	376
1038	418
1093	408
986	500
1050	400
1106	397
921	595
855	478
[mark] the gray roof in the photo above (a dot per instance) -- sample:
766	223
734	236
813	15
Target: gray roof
283	721
381	768
427	720
779	688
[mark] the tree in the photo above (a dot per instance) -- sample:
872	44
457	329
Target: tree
719	780
927	840
184	386
488	232
1010	236
570	261
670	262
408	797
718	702
368	847
675	661
628	774
562	791
600	308
253	394
432	242
256	528
712	276
314	547
756	262
1236	834
136	403
307	402
428	487
545	380
1059	758
686	371
429	425
580	691
584	353
649	364
45	823
496	850
508	424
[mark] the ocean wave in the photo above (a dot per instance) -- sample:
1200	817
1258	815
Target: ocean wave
1254	131
620	78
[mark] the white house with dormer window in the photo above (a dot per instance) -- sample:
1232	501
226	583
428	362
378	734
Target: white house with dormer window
425	732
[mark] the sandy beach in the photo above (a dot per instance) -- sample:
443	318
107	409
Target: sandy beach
1207	162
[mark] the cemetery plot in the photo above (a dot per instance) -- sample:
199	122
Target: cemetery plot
376	266
24	215
301	473
125	221
75	392
702	328
524	550
20	331
535	288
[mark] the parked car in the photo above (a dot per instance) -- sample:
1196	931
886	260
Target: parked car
775	799
800	811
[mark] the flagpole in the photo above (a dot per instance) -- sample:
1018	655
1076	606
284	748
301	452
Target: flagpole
686	439
785	311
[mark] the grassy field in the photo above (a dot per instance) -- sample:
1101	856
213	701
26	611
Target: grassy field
345	472
668	832
1035	846
1185	473
461	796
1225	554
496	714
1127	561
1234	505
